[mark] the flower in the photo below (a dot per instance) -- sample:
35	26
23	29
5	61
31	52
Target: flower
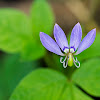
61	47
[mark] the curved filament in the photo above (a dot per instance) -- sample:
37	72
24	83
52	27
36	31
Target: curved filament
64	61
75	62
65	64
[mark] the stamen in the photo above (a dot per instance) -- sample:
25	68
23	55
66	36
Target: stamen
65	64
64	61
61	59
75	62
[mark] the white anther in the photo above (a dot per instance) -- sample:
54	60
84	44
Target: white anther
71	50
66	50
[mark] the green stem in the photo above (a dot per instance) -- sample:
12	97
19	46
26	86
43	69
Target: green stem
69	72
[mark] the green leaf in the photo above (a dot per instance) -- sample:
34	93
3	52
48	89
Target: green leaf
39	85
46	84
16	35
42	18
73	93
2	81
88	76
32	51
92	51
14	29
15	70
2	96
42	21
2	86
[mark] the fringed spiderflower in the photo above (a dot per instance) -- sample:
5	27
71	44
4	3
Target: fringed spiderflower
61	47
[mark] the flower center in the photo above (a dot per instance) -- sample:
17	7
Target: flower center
67	50
69	59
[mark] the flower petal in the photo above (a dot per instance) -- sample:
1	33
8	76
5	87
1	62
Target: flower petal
87	41
76	36
50	44
60	37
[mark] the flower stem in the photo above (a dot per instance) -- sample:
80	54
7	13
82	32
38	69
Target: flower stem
69	72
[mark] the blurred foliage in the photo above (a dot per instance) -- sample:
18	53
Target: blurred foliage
32	51
14	29
18	33
42	18
92	51
13	71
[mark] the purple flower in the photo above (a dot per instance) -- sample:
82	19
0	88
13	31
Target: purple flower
61	47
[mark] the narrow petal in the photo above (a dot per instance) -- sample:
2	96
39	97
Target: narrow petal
76	36
50	44
87	41
60	37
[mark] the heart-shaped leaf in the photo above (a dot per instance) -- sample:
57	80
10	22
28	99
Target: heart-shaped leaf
32	51
14	29
88	76
73	93
46	84
16	35
42	18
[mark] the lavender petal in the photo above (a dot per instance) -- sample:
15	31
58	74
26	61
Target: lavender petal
50	44
76	36
87	41
60	37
